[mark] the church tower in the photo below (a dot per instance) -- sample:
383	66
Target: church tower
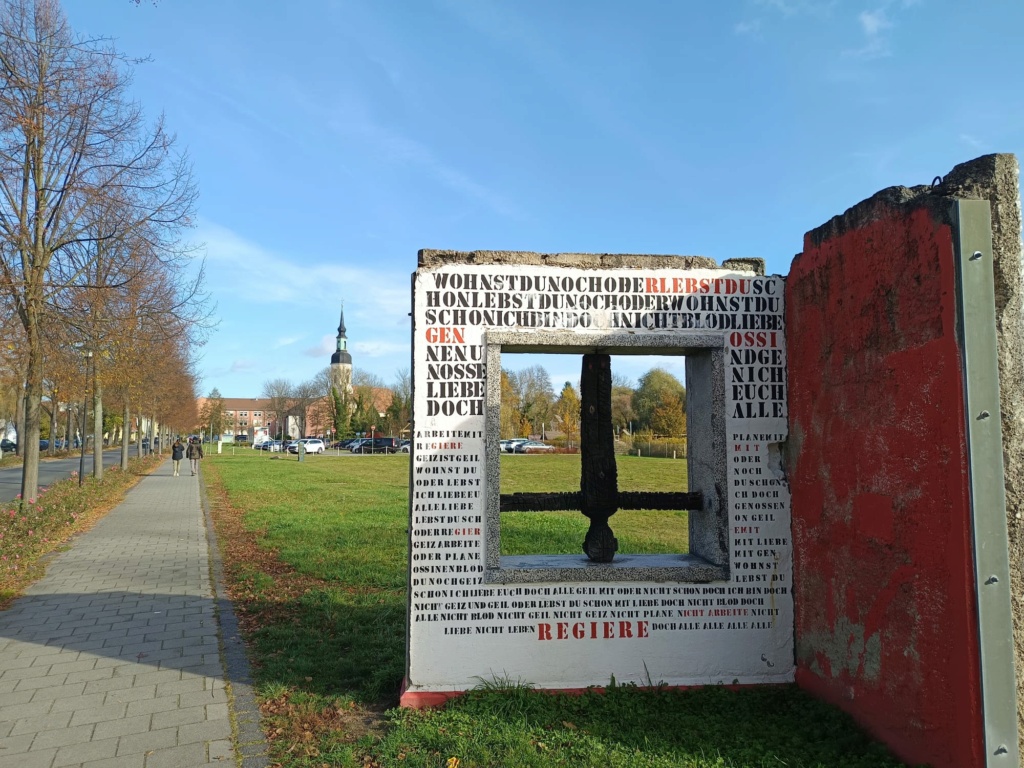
341	360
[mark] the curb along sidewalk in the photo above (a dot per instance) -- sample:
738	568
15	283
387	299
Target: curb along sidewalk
127	653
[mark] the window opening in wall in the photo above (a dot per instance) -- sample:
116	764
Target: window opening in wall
530	531
540	430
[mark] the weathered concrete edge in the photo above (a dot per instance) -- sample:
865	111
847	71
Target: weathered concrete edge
251	748
429	258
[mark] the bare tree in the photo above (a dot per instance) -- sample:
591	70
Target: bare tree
399	412
304	395
278	394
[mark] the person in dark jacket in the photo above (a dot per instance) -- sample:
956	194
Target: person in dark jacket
177	454
194	453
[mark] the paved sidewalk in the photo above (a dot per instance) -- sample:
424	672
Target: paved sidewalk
113	658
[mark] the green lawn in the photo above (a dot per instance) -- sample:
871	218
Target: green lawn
328	636
558	533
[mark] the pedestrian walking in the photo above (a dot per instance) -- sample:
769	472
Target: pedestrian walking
194	453
177	454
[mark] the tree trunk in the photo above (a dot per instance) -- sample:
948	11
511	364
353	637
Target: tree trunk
52	448
97	420
125	434
67	430
29	439
19	419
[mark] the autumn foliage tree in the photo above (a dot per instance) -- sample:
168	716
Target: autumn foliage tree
79	170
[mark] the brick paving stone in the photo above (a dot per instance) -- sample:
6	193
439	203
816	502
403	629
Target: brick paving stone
80	753
221	750
63	737
112	659
39	758
179	757
92	674
40	723
58	692
202	697
190	685
99	714
176	717
110	683
126	695
71	703
16	745
150	741
123	726
149	706
127	761
15	712
209	730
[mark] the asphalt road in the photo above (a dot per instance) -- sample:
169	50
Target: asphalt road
52	470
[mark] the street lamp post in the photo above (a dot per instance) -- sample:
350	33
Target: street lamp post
85	408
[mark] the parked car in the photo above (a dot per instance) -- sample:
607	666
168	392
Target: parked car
405	446
377	445
532	446
273	446
313	445
44	445
8	446
508	446
354	445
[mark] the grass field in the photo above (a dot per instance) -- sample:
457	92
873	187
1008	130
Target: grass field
316	555
558	533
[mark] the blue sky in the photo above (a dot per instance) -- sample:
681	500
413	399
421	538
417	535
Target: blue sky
333	139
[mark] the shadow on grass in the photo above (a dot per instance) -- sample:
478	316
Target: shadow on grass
628	726
330	642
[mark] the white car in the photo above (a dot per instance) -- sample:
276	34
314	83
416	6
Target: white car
313	445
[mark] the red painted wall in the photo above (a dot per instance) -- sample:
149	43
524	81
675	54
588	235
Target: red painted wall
883	573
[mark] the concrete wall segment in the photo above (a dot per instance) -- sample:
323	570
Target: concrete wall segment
464	625
884	586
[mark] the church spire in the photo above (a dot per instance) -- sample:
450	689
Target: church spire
341	355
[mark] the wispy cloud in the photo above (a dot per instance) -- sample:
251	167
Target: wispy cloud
324	348
350	116
285	278
789	8
241	366
287	341
973	141
874	26
751	28
379	348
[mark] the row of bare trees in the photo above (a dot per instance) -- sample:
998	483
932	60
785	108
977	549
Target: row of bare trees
99	295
